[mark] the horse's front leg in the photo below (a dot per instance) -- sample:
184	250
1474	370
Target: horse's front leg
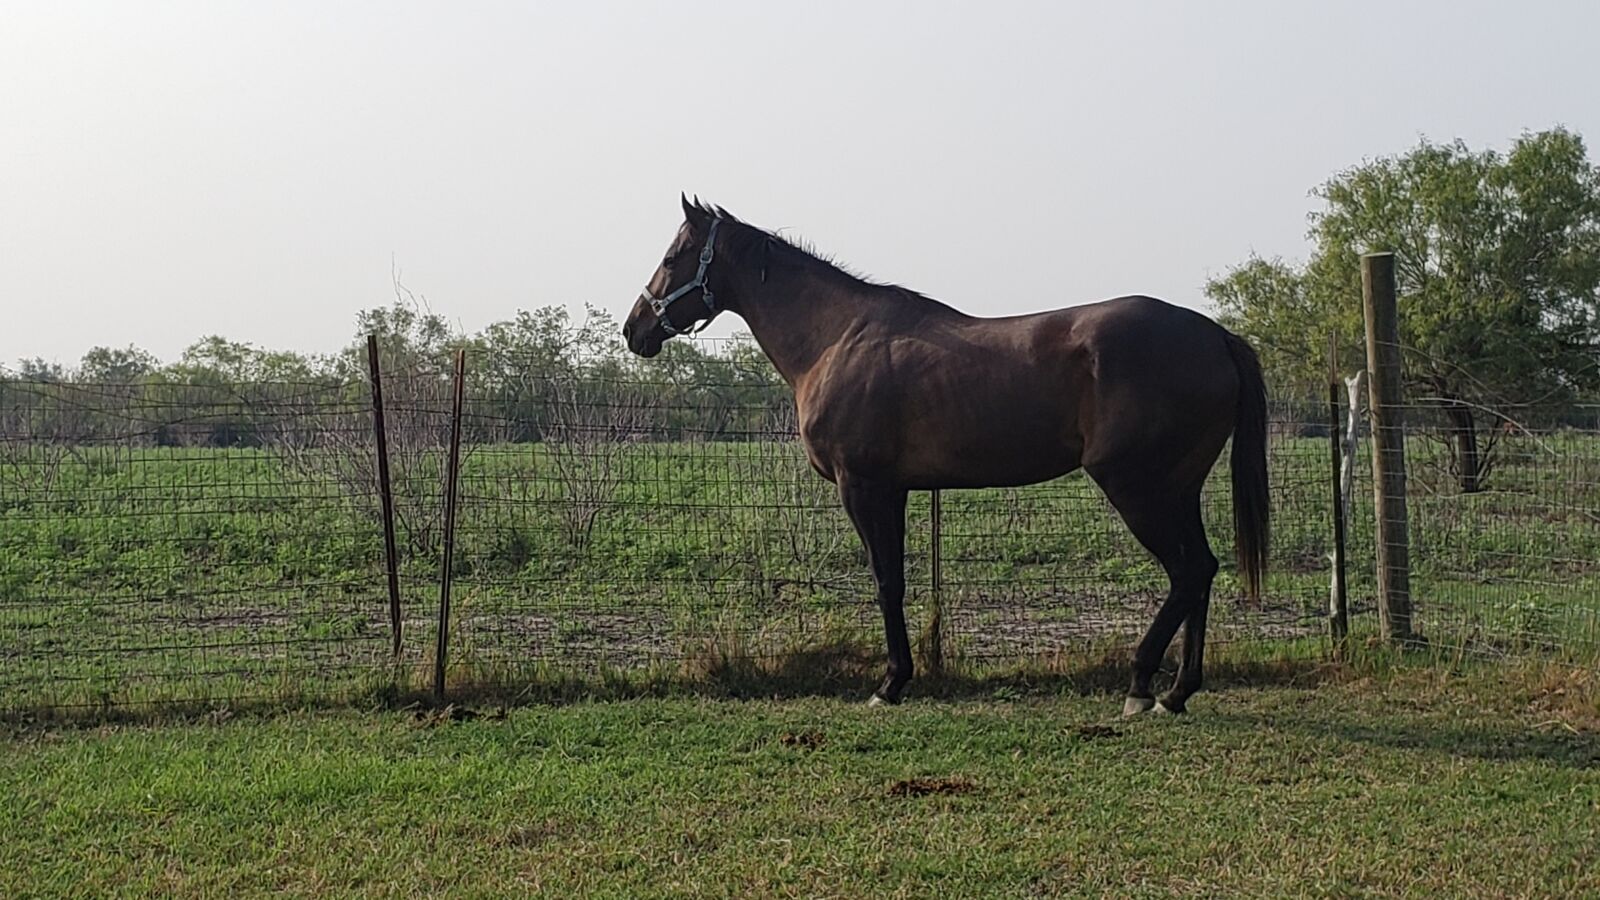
879	514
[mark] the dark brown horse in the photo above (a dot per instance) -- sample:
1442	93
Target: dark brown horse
897	392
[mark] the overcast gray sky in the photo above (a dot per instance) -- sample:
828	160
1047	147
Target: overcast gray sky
171	170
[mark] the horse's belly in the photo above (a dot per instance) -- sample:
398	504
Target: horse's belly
996	457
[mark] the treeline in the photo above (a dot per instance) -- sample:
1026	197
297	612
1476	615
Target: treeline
526	377
1497	263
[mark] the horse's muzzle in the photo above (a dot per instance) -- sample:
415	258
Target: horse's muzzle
645	342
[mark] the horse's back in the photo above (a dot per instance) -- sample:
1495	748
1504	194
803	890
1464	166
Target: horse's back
967	402
1165	387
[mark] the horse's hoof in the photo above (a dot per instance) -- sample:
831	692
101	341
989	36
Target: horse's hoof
876	700
1135	705
1172	705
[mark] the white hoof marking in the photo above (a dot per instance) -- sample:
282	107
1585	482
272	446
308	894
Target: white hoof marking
1135	705
1161	710
875	700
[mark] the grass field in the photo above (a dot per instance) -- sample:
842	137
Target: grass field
167	573
662	648
1282	782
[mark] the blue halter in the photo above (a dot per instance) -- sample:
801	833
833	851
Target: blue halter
660	304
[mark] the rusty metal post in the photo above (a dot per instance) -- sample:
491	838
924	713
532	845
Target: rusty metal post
447	558
1338	600
935	630
385	493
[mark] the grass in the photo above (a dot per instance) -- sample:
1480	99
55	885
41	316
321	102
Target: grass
1377	780
171	573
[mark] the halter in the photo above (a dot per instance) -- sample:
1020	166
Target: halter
660	304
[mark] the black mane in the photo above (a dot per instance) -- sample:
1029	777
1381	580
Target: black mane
808	254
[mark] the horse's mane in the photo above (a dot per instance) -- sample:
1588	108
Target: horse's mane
806	253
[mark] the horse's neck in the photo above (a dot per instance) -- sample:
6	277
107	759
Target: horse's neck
798	318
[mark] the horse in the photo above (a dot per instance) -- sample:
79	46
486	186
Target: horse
896	392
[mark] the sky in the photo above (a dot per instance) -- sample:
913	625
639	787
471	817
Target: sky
263	170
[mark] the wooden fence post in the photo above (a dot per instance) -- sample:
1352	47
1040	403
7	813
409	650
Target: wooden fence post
1388	444
447	558
385	493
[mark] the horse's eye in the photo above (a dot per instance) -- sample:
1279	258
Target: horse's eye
670	260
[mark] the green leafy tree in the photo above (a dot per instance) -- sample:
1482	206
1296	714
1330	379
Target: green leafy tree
1497	260
546	342
515	363
217	360
116	365
410	336
38	369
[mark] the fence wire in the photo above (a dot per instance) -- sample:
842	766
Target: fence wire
211	543
1505	553
171	542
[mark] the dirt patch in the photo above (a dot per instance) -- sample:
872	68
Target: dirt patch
533	836
986	624
576	636
1003	623
1097	732
237	617
432	717
923	787
804	740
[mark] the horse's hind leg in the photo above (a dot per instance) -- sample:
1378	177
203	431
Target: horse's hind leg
1168	524
1200	569
879	514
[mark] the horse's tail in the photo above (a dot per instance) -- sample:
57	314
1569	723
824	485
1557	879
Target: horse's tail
1251	531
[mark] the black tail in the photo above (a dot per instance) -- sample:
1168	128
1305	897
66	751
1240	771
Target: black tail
1251	529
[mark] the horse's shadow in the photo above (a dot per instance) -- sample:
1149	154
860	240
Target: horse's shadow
1510	742
846	672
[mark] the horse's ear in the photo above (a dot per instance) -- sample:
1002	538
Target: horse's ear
696	215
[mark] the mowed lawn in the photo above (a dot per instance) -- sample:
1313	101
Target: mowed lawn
1405	784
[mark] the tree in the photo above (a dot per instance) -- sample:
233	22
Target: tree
217	360
544	343
1269	301
124	365
41	370
1497	259
515	362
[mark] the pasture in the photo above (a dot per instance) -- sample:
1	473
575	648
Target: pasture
153	574
658	652
1373	780
557	588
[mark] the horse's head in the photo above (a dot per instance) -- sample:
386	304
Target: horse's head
677	297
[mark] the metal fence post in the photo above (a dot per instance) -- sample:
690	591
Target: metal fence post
447	558
935	630
1338	600
1388	444
385	493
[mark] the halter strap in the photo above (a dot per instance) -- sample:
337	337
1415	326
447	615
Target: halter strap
660	304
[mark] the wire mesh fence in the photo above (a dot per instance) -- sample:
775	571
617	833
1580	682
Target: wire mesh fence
210	543
1505	533
168	542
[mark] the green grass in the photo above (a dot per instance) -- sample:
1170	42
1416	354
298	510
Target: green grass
165	573
1316	782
